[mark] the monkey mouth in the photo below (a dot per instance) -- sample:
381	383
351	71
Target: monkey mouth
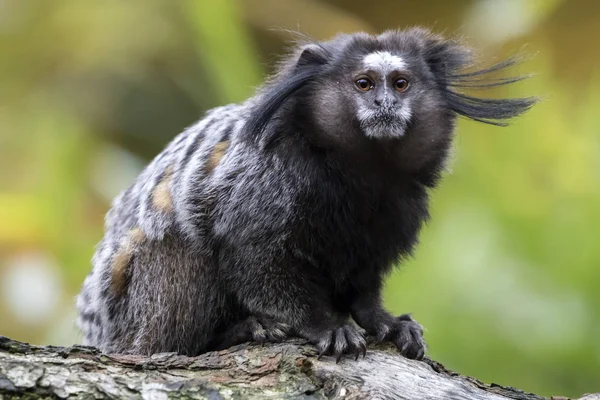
381	126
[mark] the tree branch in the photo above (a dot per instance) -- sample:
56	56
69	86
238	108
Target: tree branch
286	370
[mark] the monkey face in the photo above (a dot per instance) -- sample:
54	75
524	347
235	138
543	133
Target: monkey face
381	89
383	98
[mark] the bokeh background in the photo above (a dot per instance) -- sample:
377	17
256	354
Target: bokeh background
506	279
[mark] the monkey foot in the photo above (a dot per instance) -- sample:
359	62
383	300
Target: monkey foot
265	329
406	334
253	329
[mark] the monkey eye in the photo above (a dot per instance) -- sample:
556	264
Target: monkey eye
401	84
364	84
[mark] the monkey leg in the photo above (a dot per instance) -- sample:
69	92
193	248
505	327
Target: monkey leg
288	296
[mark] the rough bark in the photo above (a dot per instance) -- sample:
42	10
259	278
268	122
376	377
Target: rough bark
287	370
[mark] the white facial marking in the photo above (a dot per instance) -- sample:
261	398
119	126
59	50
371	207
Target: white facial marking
365	114
405	112
384	62
391	122
369	119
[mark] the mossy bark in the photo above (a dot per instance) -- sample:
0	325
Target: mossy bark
287	370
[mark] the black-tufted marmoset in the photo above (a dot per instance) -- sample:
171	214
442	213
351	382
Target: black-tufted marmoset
281	216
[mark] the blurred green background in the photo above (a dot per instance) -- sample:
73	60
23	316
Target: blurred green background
506	279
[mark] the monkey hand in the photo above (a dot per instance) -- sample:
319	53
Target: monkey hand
405	333
337	341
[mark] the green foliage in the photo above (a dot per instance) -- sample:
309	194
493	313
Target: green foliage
505	278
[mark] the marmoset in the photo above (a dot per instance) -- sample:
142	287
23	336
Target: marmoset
282	215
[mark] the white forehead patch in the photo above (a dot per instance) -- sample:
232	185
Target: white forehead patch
384	61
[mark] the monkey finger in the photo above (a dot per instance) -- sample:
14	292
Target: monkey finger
383	332
341	344
324	344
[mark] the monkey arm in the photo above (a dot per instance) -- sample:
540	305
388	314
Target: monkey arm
277	287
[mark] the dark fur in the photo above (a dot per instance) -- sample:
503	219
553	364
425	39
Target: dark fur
304	216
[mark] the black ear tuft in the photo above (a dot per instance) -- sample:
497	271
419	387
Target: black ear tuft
312	55
452	66
445	56
310	64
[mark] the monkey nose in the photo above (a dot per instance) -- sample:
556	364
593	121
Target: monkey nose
385	101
